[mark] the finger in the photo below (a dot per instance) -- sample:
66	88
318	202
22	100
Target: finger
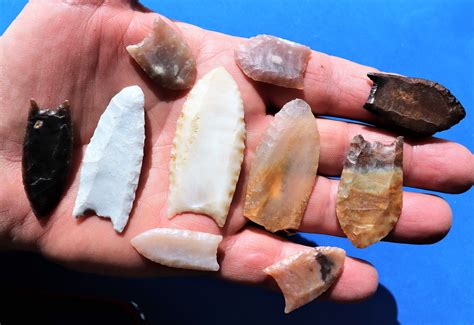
337	87
424	218
246	254
427	163
332	86
94	3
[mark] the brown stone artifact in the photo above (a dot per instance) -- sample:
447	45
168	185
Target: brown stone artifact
284	169
273	60
306	275
165	57
370	194
47	154
415	106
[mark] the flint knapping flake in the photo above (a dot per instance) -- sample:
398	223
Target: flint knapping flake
273	60
306	275
47	154
412	105
370	194
284	169
165	57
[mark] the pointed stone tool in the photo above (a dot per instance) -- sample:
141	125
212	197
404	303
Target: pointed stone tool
283	171
47	155
208	148
369	197
113	160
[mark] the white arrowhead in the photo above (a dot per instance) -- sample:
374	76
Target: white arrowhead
208	148
113	159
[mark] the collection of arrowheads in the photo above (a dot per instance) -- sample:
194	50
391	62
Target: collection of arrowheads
208	150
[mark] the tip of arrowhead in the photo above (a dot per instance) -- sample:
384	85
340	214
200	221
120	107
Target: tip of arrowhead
131	96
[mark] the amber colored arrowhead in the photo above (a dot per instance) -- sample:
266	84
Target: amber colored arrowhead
369	198
412	105
284	169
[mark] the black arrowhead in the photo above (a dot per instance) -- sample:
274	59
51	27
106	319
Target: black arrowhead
47	155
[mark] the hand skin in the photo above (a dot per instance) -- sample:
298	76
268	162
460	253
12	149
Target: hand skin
75	50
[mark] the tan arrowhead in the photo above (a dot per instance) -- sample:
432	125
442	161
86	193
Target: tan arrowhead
369	198
284	169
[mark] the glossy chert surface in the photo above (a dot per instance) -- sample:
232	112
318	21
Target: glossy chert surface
273	60
306	275
165	57
283	170
416	106
113	159
179	248
370	194
47	154
208	148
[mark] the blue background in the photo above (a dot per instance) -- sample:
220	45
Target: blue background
431	284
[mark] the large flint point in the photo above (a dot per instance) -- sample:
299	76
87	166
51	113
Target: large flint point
113	160
208	148
412	105
284	169
47	154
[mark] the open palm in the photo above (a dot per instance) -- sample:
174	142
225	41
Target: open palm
75	50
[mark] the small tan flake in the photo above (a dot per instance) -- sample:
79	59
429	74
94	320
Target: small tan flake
306	275
370	194
273	60
165	57
284	169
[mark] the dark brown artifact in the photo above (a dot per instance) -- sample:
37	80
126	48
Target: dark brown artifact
47	153
370	194
412	105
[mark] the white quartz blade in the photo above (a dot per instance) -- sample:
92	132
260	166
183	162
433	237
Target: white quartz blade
179	248
113	160
208	148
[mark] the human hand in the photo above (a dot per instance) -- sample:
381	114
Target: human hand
56	51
